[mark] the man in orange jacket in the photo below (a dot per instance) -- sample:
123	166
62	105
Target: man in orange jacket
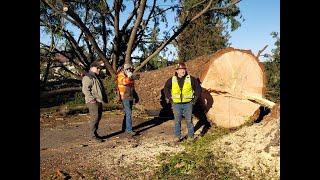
126	90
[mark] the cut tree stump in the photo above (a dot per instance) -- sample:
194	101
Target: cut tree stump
234	85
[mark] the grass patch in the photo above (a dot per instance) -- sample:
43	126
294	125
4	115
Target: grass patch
197	161
187	165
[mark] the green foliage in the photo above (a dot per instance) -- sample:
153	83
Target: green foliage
196	162
199	162
156	63
110	86
234	24
78	99
272	67
208	33
60	99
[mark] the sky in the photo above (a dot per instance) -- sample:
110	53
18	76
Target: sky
261	17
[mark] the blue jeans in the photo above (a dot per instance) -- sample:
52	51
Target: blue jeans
178	111
127	119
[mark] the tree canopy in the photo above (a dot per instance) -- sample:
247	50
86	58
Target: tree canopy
119	31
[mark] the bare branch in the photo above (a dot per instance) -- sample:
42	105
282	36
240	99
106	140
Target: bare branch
226	7
197	4
164	10
78	22
134	30
141	32
151	11
58	91
78	76
117	37
74	44
206	9
260	51
61	12
164	44
106	6
181	28
85	21
133	13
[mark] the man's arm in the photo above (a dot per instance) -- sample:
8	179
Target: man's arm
135	96
86	88
167	89
197	88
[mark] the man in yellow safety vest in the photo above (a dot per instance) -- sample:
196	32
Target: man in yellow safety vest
182	91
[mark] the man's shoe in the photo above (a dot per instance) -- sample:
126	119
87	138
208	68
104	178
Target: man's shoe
131	133
96	139
177	139
190	139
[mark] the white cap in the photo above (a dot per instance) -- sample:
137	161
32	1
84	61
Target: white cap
127	66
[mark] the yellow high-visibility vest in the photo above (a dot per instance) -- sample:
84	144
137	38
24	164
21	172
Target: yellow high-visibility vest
184	96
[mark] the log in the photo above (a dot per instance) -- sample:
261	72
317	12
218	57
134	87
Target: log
235	80
45	94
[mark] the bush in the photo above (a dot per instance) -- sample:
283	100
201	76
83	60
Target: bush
110	86
273	81
78	99
272	67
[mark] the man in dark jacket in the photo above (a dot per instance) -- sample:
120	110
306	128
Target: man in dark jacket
95	96
182	91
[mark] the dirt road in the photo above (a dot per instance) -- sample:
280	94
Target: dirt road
67	152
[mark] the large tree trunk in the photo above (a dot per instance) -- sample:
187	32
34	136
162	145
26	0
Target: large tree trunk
235	81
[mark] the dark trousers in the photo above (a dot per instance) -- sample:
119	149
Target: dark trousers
95	110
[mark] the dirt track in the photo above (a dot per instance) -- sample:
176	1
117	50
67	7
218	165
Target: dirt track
66	150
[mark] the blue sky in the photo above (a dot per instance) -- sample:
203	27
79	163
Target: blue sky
261	18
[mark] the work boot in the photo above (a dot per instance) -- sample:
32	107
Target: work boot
131	133
177	139
97	139
190	139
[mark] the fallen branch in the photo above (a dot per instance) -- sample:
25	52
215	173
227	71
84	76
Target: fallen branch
59	91
260	51
260	100
251	97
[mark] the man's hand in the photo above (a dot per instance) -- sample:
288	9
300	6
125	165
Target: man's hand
136	100
135	76
194	101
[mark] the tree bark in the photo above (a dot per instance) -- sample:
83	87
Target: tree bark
117	38
134	31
